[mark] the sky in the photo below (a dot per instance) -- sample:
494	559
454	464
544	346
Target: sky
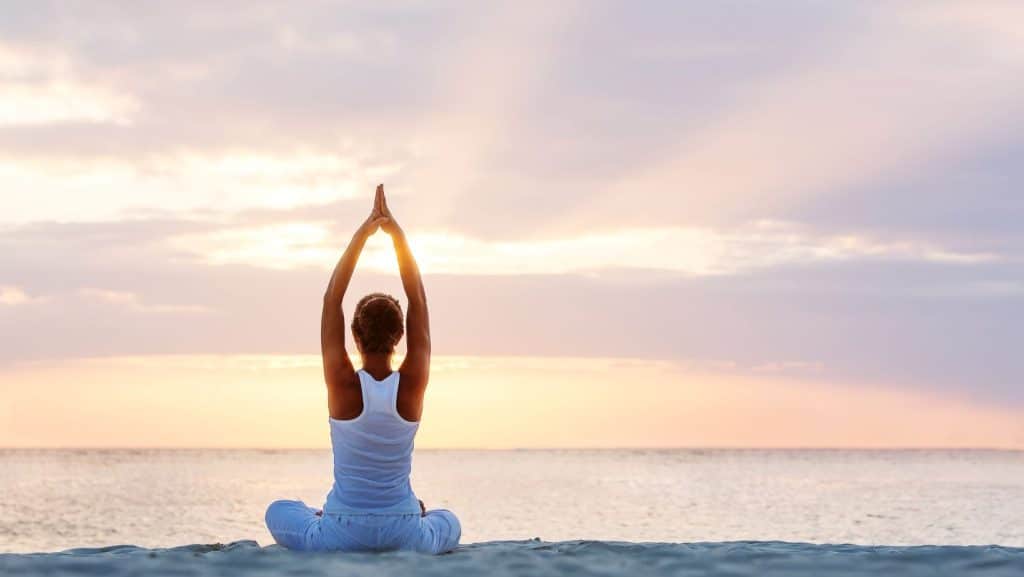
662	224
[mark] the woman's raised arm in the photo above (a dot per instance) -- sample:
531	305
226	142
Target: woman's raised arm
338	368
416	366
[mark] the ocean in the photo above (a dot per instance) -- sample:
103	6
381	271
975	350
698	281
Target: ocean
52	500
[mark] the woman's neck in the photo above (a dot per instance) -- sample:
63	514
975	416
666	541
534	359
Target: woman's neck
378	365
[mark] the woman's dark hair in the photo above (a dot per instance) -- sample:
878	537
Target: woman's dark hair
378	323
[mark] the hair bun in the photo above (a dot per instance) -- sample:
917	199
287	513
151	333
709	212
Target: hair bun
378	324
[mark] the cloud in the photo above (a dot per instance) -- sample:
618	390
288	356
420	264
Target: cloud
133	302
885	101
40	86
95	189
969	199
519	123
209	78
914	323
13	296
61	102
685	250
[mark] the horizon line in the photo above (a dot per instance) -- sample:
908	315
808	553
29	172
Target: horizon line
526	449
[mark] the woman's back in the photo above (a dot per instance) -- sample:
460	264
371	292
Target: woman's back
373	454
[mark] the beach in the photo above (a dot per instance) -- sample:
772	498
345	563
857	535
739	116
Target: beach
531	558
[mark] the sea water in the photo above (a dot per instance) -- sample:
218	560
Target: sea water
59	499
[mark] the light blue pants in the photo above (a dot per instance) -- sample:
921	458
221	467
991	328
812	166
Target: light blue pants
296	526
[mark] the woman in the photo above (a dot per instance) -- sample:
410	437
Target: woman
374	416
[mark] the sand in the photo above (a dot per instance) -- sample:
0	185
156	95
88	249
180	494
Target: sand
530	558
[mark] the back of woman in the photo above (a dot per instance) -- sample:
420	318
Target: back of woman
373	454
374	415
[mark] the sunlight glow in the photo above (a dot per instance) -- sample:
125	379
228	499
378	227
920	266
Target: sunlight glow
278	246
691	251
227	401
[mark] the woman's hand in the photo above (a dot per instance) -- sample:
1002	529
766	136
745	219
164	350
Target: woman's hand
377	219
389	225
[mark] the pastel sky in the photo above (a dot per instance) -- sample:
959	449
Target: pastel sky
641	224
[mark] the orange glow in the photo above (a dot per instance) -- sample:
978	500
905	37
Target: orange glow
487	402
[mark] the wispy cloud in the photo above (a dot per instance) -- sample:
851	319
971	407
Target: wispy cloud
13	296
686	250
104	188
879	311
39	86
133	302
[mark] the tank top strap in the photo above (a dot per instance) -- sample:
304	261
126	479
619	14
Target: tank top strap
379	396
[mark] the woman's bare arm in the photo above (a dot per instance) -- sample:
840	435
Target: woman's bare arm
338	369
415	368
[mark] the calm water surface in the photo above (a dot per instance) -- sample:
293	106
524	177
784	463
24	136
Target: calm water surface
54	500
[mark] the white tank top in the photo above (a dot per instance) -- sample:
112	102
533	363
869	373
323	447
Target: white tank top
373	455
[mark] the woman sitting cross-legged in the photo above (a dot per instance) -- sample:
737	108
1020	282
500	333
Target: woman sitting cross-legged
374	416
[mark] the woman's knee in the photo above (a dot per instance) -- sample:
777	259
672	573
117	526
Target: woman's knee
279	507
445	530
454	523
289	522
